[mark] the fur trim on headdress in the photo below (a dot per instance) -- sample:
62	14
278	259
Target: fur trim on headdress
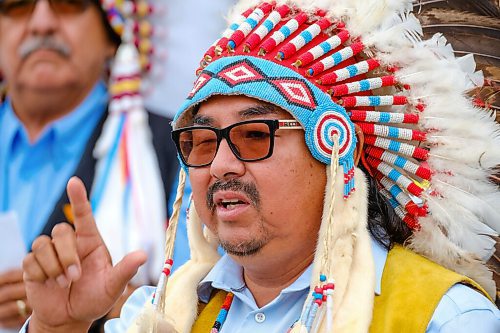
349	249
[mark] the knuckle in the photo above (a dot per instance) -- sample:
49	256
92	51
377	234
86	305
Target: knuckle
66	250
28	261
52	270
34	273
48	261
40	242
32	270
61	230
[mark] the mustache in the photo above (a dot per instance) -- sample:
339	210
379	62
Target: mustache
233	185
36	43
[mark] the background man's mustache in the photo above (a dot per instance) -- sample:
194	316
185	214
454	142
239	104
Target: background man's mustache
43	42
233	185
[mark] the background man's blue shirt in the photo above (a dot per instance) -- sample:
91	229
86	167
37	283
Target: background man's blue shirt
34	174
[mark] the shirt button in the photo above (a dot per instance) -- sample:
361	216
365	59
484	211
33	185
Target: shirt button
260	317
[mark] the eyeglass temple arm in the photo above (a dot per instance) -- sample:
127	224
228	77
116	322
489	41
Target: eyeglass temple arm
289	124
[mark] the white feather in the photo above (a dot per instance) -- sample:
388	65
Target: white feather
464	206
468	66
398	30
473	235
439	46
430	242
369	15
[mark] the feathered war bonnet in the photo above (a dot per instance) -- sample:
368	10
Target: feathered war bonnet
336	66
127	196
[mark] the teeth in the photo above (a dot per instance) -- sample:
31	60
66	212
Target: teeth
230	207
230	203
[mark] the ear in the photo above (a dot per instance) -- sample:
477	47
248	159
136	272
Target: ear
358	152
111	50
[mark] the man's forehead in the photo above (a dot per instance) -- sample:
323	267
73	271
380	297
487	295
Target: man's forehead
237	107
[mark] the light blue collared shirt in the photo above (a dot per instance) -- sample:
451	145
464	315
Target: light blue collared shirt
33	175
461	309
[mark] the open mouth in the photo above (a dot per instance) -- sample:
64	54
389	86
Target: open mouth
230	204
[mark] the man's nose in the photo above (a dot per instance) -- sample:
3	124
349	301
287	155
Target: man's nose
225	164
43	20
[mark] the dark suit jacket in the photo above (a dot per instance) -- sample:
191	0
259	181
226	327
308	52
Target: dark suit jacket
165	152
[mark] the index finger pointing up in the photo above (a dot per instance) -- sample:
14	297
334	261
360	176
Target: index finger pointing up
80	205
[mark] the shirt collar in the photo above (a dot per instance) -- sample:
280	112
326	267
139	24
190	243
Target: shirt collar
9	124
92	107
67	131
228	275
225	275
379	257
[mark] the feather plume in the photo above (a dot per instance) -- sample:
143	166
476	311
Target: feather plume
473	235
401	29
439	46
378	12
463	214
431	242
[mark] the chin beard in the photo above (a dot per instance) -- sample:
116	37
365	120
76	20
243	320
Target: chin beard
243	249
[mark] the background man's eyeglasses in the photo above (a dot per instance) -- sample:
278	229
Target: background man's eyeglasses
21	8
251	140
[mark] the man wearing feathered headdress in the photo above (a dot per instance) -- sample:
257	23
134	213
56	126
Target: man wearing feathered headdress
61	118
334	158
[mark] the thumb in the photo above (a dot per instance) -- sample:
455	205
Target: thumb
124	271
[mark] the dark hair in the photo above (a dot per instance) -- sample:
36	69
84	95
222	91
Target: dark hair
112	35
384	225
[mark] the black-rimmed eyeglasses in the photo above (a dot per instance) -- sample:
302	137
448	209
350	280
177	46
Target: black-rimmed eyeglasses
22	8
251	140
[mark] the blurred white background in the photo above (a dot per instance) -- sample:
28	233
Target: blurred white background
184	29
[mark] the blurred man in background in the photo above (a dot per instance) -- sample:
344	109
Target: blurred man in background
60	118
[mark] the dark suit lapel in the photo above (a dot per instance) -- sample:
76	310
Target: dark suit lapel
85	171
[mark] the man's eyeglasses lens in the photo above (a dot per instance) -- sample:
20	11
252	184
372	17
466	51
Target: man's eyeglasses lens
250	141
21	8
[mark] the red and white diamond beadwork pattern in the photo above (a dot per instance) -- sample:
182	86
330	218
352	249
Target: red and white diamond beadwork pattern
240	73
295	92
199	83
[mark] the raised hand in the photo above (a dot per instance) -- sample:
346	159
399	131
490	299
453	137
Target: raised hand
70	279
